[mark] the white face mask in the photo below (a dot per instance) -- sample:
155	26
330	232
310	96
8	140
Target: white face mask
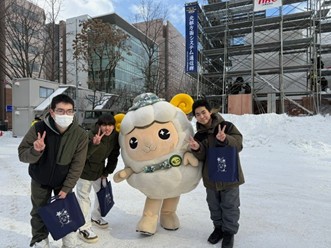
63	120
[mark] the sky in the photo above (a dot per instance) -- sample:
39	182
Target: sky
124	8
285	201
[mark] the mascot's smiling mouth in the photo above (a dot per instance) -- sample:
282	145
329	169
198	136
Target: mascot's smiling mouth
173	161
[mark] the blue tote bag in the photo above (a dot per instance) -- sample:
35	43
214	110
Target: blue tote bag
105	197
222	164
62	216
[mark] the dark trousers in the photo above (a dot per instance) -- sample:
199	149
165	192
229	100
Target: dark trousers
39	197
224	208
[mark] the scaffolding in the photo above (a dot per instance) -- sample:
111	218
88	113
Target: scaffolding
280	51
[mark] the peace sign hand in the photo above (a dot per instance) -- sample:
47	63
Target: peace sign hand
97	138
193	144
39	144
221	136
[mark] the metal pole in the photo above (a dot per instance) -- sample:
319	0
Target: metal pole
318	83
281	74
2	61
253	60
315	72
198	84
77	85
225	59
166	61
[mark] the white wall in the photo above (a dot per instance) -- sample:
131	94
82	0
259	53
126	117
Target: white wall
73	74
25	99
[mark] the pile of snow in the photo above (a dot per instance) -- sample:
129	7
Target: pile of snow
285	201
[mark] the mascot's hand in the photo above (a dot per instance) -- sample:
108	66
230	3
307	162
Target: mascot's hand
122	175
189	158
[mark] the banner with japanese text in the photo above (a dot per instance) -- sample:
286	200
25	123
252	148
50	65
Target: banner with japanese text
266	4
191	17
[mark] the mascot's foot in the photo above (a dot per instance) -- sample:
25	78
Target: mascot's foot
147	225
145	233
169	221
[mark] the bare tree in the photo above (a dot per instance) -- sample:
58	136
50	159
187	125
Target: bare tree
24	39
101	46
3	11
52	45
149	20
21	26
162	70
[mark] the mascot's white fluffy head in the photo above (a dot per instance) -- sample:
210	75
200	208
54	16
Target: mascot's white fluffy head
151	131
154	138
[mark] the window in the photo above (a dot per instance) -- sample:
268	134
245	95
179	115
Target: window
45	92
33	49
34	67
238	41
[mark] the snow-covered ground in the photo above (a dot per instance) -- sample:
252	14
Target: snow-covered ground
285	202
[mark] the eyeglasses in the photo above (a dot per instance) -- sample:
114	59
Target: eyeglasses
63	111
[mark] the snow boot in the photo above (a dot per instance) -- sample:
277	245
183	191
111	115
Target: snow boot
216	235
228	239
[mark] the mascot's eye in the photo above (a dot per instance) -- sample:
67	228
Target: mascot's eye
164	134
133	143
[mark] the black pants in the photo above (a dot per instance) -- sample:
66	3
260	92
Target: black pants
39	197
224	208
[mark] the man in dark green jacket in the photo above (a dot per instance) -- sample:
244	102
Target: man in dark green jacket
103	146
222	197
56	150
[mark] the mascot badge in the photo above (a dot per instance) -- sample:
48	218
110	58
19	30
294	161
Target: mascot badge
154	138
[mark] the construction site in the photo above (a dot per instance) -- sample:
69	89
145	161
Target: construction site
280	57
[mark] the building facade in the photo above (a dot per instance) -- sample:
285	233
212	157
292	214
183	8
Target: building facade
25	39
170	58
126	75
22	35
57	63
74	67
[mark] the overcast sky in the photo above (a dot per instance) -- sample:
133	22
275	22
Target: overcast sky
124	8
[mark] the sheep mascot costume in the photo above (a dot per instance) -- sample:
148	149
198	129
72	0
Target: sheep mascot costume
154	137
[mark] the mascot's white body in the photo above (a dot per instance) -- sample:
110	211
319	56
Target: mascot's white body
154	138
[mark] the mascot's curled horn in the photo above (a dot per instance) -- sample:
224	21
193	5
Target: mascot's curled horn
154	138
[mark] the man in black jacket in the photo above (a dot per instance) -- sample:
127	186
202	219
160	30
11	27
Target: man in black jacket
56	150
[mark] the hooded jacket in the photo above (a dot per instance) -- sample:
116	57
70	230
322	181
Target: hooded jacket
60	164
207	138
97	154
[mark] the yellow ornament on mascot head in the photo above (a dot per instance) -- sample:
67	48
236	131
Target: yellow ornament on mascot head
154	138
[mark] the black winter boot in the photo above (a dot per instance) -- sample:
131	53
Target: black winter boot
216	235
228	239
